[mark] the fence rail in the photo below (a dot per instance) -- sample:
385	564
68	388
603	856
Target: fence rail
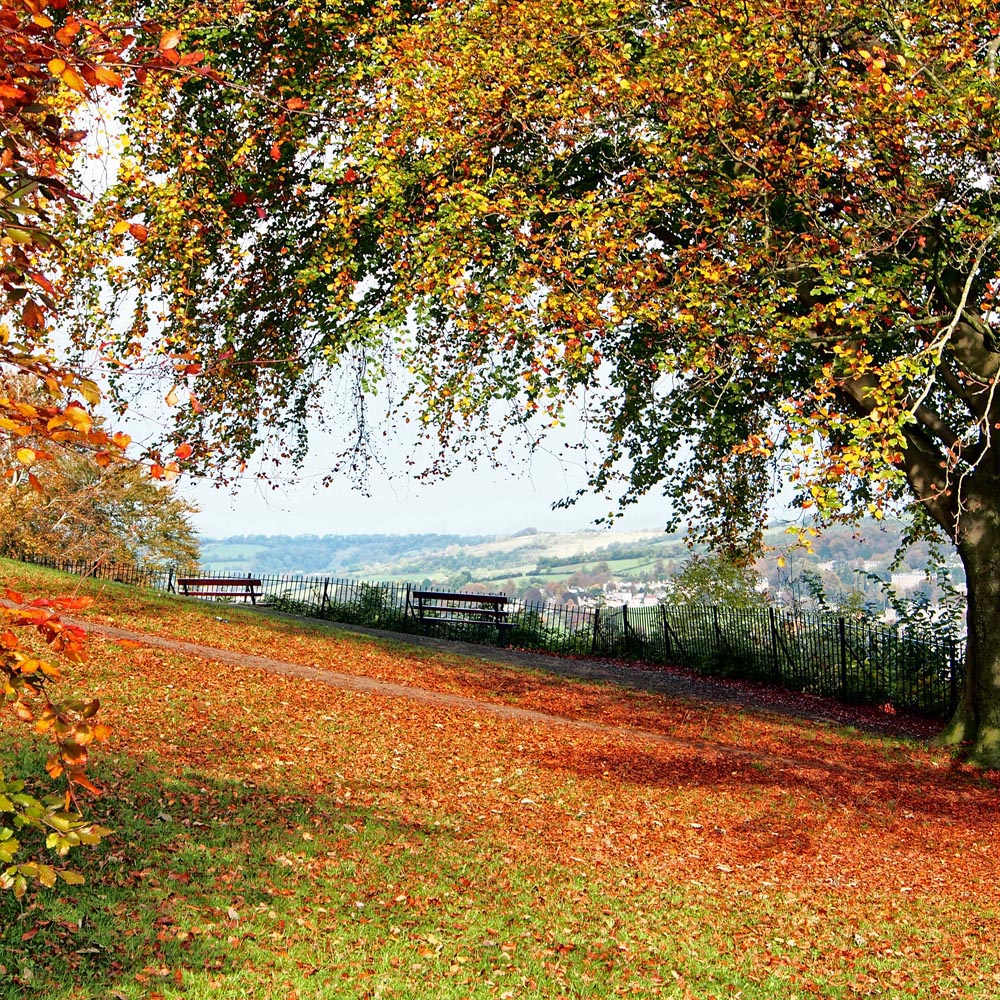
856	660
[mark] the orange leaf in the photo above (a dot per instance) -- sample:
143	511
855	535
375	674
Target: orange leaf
129	644
16	597
33	315
183	451
74	603
79	778
107	76
170	40
138	231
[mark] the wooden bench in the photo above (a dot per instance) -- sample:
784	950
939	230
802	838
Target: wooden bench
220	586
437	607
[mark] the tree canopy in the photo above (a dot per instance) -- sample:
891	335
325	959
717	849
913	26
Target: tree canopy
754	241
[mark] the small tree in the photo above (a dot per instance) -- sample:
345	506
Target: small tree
708	579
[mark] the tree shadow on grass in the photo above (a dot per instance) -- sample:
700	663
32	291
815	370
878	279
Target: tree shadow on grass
201	881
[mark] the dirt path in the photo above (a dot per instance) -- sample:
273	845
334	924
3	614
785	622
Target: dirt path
664	683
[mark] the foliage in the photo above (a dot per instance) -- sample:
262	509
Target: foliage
27	677
715	580
53	60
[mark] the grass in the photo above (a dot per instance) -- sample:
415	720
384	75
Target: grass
280	838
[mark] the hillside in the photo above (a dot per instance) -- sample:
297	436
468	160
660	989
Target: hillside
548	562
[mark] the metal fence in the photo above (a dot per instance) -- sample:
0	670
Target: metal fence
155	577
852	659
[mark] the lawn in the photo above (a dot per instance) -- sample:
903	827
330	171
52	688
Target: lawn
278	837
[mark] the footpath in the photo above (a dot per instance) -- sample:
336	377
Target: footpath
678	684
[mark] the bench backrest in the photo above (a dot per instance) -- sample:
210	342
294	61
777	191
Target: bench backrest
437	596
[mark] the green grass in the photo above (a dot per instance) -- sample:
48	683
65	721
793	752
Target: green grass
231	890
277	838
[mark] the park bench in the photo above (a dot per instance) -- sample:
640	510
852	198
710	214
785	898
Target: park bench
243	587
434	607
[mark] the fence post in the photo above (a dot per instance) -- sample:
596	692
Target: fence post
325	599
666	632
625	630
842	628
597	630
717	629
774	644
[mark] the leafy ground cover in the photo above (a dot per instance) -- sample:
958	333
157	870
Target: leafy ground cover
279	837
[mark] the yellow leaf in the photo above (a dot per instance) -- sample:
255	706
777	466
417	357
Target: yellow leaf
90	391
26	456
118	228
73	80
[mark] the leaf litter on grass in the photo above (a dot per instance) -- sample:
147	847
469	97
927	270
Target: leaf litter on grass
284	832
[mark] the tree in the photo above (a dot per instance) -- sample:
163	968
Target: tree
86	511
756	241
714	580
52	60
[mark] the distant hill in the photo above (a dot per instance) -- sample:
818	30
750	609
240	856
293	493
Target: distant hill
532	560
336	555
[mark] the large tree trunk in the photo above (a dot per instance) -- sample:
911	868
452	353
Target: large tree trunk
977	718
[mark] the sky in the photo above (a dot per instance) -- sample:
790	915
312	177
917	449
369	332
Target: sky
482	501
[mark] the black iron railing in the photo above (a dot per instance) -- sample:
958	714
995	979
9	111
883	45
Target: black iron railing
854	659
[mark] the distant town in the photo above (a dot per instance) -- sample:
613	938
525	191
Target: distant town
846	567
